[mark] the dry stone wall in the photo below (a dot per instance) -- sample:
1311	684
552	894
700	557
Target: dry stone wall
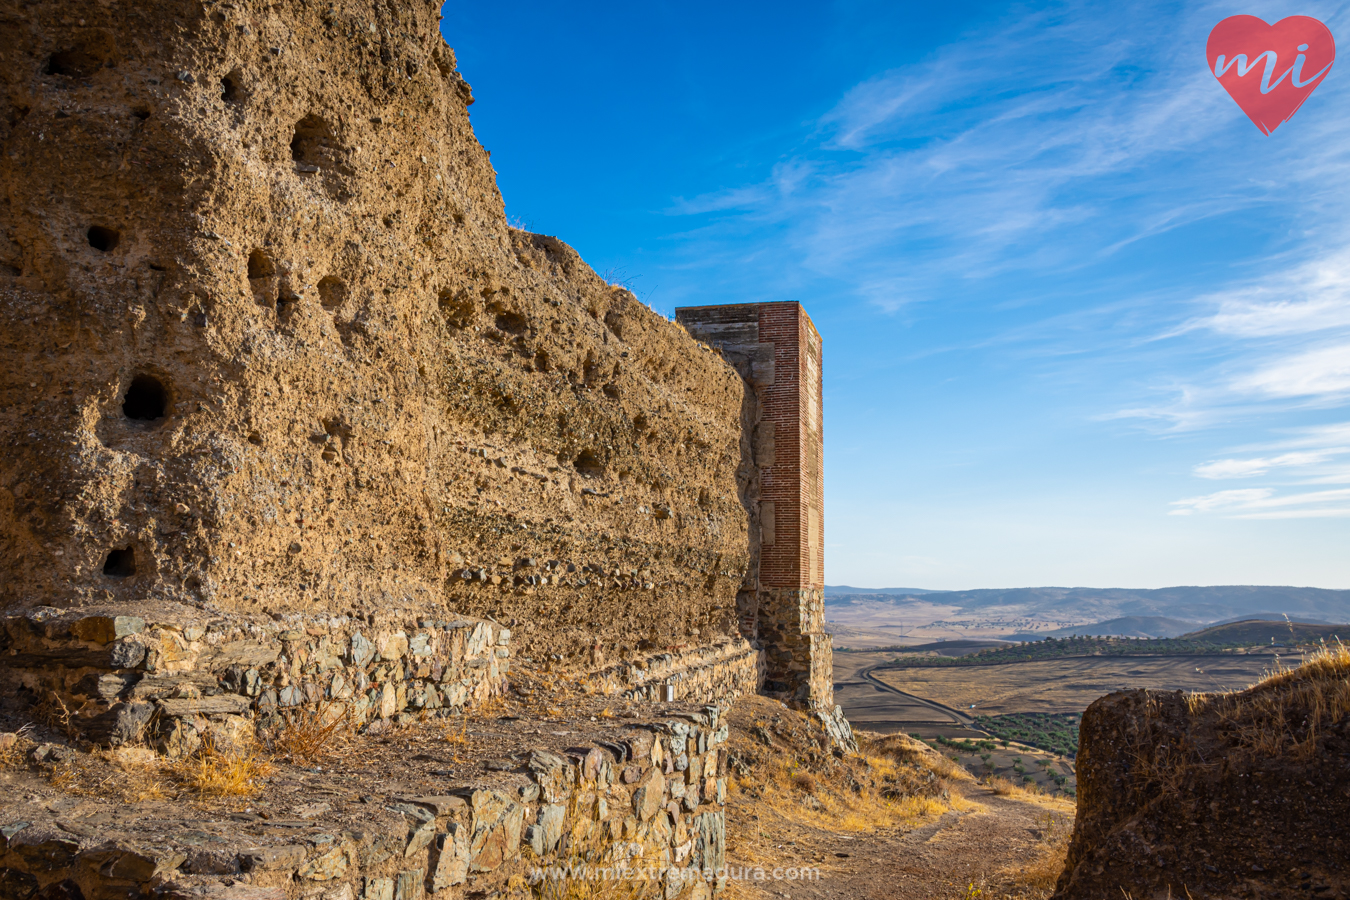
647	799
269	348
174	677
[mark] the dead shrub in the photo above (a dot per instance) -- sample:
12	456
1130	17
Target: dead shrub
52	711
212	773
307	735
13	747
804	782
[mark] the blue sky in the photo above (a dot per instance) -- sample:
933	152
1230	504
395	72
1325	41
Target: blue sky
1084	324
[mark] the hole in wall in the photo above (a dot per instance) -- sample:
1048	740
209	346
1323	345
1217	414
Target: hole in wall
513	323
104	239
255	438
260	265
232	87
313	143
141	113
121	563
146	399
76	62
332	291
614	321
588	464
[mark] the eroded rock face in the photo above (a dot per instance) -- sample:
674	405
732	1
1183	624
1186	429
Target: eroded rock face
1213	796
268	345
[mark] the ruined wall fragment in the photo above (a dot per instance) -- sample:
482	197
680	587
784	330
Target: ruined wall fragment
269	346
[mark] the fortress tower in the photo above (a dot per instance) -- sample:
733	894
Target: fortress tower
777	349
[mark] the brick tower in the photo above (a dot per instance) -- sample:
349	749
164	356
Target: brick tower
777	350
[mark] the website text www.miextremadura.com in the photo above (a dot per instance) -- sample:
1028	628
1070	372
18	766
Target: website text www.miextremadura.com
587	872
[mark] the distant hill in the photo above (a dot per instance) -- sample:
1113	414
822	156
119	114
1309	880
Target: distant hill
1126	626
955	648
1256	631
843	590
1195	604
1268	617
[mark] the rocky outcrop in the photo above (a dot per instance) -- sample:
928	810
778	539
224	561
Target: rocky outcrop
268	346
1224	795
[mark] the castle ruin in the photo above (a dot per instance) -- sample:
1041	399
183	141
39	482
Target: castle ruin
296	421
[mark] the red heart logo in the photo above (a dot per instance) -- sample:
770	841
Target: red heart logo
1270	69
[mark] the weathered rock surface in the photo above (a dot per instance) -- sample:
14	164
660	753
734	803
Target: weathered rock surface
267	345
1237	795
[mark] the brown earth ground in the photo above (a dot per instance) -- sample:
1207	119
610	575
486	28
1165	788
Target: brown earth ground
950	837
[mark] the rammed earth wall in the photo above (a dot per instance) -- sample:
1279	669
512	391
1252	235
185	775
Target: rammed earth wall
268	346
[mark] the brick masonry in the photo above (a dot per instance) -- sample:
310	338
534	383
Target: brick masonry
777	349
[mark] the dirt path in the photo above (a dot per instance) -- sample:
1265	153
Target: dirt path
984	842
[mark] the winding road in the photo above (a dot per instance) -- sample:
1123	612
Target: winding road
874	705
956	716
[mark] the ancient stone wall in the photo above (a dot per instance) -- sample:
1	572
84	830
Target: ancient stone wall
646	799
178	677
777	349
268	347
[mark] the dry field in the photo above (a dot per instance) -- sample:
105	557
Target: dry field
1069	685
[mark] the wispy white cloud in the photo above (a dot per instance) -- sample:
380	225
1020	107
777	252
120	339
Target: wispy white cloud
1006	152
1297	299
1259	465
1317	372
1263	503
1220	500
1311	456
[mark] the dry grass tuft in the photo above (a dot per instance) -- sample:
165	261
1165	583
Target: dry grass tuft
310	734
214	773
1030	793
883	794
13	747
139	774
804	782
1051	852
492	708
457	737
129	774
1284	713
